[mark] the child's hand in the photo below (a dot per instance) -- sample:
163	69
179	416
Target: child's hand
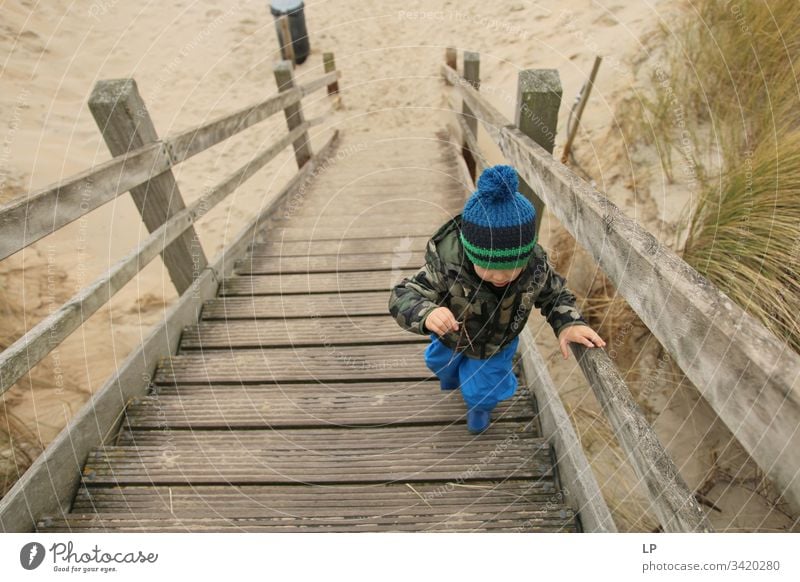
440	321
580	334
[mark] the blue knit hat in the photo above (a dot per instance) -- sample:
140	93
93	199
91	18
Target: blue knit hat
498	224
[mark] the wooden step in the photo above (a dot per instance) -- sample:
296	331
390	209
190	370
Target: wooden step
321	331
313	283
430	218
475	518
292	306
403	259
339	247
387	498
325	364
306	405
286	231
331	455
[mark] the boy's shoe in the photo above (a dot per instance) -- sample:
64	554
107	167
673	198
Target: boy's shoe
478	420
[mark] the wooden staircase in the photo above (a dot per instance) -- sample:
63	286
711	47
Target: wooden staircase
296	403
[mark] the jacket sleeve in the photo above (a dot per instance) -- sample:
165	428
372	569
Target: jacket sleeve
556	302
413	298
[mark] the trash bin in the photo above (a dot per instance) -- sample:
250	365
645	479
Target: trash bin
297	27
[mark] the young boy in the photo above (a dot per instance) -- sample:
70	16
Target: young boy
483	274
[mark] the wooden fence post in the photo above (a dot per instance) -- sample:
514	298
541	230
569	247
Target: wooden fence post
451	57
330	66
287	47
294	112
472	66
538	99
125	123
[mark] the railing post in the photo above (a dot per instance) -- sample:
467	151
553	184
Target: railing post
451	57
294	113
285	37
472	66
538	99
330	66
125	123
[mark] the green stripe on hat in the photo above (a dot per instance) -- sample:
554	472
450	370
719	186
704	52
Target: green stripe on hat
497	253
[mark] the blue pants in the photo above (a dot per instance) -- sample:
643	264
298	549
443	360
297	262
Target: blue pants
483	383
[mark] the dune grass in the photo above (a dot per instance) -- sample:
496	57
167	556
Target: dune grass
723	112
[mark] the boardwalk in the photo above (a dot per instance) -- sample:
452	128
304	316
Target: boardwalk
297	404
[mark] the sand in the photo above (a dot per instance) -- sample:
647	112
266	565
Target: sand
195	60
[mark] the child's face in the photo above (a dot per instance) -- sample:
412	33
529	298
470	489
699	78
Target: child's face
498	277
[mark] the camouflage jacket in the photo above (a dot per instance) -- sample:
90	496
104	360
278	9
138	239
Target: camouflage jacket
488	321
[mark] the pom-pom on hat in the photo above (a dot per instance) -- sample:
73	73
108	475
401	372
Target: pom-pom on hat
498	224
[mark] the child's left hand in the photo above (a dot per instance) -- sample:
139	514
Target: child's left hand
580	334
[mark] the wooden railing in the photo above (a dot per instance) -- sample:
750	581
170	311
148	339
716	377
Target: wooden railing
730	356
141	165
750	377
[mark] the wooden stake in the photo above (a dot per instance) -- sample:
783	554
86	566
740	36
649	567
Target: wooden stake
572	130
287	48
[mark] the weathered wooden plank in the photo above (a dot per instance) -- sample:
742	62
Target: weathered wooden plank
331	457
388	497
581	490
520	522
294	112
211	335
218	467
125	123
430	219
330	66
498	511
471	144
733	360
345	208
346	363
337	247
97	498
308	283
291	306
329	78
48	486
25	220
282	231
401	259
671	499
194	140
283	406
330	439
45	336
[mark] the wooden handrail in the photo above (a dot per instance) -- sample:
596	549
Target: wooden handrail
26	352
28	219
672	501
728	355
192	141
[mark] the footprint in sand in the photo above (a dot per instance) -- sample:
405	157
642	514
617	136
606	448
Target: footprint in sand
606	20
